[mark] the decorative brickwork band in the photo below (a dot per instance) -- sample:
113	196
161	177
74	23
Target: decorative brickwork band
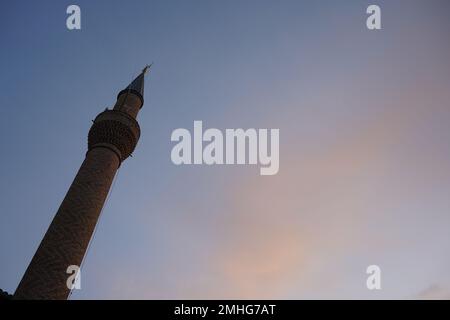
116	130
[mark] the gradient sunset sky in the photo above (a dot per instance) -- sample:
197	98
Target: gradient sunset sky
364	119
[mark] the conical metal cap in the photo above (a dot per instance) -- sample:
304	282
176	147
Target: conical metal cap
137	85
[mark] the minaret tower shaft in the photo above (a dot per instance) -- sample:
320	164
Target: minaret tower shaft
112	138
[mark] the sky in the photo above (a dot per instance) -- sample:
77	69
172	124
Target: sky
364	155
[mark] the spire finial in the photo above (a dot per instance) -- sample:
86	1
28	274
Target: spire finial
146	68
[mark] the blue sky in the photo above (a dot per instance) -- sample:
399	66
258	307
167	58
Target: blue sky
364	155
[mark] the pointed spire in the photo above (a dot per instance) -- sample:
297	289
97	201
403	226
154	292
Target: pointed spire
137	85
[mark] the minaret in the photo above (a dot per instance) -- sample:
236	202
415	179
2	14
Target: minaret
112	138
